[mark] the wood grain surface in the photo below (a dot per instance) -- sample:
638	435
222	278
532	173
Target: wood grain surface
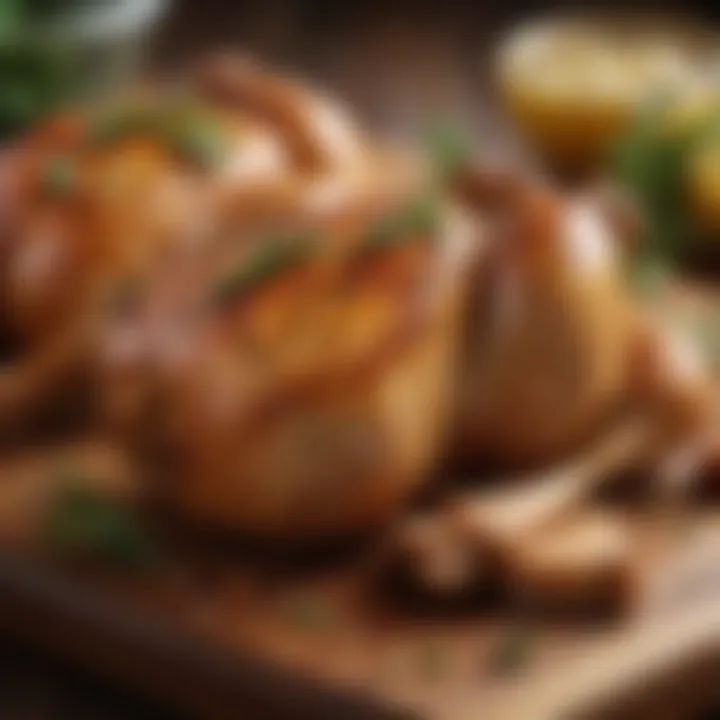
399	64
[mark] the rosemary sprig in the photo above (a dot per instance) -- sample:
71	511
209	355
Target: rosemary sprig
418	219
449	149
58	176
82	522
265	261
513	651
187	130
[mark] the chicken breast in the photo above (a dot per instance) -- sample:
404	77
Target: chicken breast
297	380
96	199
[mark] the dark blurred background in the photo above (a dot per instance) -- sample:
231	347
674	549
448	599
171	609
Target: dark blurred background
397	63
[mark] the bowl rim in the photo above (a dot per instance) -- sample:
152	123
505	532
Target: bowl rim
699	37
103	22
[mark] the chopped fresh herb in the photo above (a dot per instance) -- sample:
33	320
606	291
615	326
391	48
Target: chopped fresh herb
449	149
418	219
432	660
58	177
265	261
709	332
310	613
197	139
649	276
83	522
512	652
118	123
34	77
124	297
186	130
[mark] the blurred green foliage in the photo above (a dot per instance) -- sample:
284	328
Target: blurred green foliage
33	80
83	523
23	11
35	74
650	160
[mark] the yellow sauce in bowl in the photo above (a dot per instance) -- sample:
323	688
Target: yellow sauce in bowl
571	85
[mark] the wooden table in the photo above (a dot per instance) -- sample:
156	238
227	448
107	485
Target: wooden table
399	64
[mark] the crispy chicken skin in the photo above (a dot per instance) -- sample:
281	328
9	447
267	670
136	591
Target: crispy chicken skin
299	380
97	198
287	324
546	343
263	305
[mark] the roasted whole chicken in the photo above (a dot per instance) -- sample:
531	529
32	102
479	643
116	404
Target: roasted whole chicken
287	324
97	199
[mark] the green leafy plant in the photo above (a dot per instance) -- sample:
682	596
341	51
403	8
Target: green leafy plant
33	80
649	160
38	70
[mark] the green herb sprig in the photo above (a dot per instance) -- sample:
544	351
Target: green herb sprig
420	218
433	660
449	149
310	613
33	80
113	124
197	140
58	176
513	650
269	258
186	130
84	523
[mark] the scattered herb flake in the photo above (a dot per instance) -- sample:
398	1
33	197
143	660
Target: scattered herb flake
265	261
649	276
82	522
420	218
512	652
118	123
449	148
432	660
710	339
310	613
197	139
58	176
186	130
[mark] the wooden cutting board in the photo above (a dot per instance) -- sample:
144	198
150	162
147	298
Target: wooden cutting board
215	632
218	630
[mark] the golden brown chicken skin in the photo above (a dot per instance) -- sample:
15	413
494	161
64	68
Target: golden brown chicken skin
298	380
548	332
98	198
